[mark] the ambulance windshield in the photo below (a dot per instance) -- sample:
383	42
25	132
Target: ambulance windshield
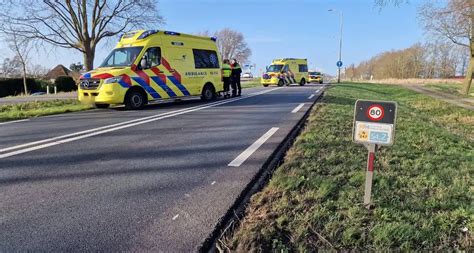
122	57
274	68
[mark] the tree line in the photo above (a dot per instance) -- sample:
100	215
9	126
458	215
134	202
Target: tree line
440	59
453	22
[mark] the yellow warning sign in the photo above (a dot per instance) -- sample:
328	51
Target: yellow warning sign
363	135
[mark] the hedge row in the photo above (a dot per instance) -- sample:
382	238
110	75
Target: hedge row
14	86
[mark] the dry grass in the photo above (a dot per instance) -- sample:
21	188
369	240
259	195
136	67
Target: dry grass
417	81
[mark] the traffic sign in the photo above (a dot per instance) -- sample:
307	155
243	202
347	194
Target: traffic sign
374	122
375	112
374	125
339	64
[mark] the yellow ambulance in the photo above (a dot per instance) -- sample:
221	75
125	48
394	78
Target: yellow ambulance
286	71
154	65
315	77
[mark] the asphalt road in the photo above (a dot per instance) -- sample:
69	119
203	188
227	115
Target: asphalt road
158	179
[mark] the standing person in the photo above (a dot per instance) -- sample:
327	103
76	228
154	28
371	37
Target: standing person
236	71
226	73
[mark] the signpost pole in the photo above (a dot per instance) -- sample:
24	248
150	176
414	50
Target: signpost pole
369	174
374	126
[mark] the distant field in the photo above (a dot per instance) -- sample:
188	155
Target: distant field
449	88
39	108
423	185
418	81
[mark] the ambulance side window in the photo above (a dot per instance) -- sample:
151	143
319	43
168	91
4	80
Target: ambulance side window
152	57
303	67
205	59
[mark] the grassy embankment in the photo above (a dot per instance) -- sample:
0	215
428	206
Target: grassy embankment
423	186
255	82
39	108
450	88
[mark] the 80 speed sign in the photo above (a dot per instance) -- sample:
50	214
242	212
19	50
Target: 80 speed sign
375	112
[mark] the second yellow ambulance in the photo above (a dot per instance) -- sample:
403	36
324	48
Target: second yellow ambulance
286	71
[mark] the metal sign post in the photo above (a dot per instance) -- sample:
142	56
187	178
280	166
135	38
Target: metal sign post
374	125
369	175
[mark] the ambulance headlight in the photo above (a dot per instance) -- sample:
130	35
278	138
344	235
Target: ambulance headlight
113	79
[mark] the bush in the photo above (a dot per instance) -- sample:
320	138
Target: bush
43	84
14	86
65	83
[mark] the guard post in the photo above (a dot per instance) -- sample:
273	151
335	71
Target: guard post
374	126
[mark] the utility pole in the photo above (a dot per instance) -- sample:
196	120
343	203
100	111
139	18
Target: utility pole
341	21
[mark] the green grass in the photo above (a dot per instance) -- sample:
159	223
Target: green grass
449	88
251	84
423	188
39	108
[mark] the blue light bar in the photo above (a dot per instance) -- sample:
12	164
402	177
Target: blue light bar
172	33
147	33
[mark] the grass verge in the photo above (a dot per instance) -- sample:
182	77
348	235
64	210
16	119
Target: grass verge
39	108
251	83
423	187
450	88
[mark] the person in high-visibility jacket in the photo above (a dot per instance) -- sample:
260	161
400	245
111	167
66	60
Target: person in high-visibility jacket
235	79
226	74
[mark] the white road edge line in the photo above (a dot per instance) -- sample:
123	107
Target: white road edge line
14	121
250	150
310	97
114	127
298	108
175	217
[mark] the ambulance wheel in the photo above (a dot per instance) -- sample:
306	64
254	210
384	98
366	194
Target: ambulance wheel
265	85
102	106
320	82
302	82
208	93
281	83
135	99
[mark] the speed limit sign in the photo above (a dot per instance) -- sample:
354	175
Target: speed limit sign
374	126
375	112
374	122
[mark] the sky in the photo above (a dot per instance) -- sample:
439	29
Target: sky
282	29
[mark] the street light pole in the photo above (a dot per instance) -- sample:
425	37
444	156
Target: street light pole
340	45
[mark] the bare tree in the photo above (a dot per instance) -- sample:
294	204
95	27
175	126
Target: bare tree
37	71
454	22
11	67
382	3
77	24
21	47
231	44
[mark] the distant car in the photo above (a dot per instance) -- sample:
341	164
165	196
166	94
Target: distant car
247	75
38	93
315	77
